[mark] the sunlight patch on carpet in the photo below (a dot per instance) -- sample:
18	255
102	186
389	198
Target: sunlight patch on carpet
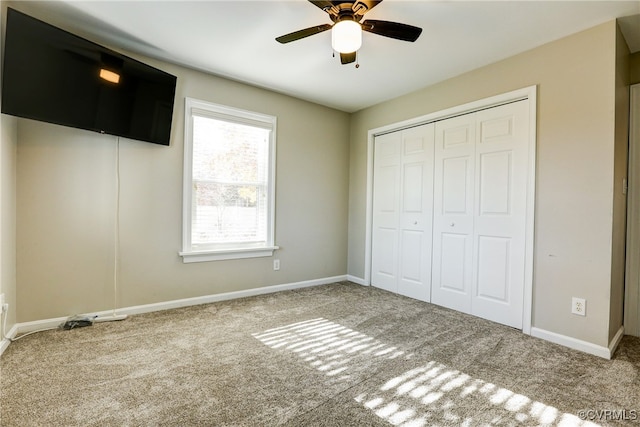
327	346
435	390
420	396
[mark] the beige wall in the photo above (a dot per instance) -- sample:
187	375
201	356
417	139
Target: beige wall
575	169
65	208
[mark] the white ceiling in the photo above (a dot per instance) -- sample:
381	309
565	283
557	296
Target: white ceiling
235	39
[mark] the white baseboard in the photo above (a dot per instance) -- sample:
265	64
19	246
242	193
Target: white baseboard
109	315
224	297
576	344
36	325
4	344
356	280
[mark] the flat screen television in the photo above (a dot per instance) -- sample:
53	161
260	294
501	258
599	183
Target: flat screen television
54	76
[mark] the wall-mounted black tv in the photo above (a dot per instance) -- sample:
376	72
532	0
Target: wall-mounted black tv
54	76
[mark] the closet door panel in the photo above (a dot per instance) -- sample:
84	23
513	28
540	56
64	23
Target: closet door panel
402	212
454	164
494	268
454	252
416	213
500	213
386	203
495	183
411	257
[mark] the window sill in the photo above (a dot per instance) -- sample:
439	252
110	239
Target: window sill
219	255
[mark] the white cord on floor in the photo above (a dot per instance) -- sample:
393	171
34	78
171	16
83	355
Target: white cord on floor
4	325
29	333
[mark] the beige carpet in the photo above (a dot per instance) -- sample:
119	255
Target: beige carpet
335	355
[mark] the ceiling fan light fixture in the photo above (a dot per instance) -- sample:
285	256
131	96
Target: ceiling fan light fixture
346	36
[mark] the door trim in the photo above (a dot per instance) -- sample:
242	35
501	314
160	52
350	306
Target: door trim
527	93
632	276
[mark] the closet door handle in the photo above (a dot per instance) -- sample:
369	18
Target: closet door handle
453	224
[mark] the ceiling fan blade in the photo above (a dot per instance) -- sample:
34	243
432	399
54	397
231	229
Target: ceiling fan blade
347	58
297	35
394	30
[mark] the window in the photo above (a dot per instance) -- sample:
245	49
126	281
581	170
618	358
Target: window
229	169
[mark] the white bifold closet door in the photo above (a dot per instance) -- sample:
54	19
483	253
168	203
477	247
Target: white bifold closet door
402	212
479	220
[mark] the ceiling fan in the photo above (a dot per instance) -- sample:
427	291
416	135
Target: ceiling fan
346	31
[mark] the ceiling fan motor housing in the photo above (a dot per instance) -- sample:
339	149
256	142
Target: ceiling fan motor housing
353	11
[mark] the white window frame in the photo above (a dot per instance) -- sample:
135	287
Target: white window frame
250	250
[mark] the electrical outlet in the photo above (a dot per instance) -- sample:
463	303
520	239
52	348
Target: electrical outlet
276	264
579	306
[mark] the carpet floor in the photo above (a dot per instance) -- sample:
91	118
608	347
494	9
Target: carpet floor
333	355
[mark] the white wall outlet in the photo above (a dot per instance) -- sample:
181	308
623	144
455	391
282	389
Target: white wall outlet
579	306
276	264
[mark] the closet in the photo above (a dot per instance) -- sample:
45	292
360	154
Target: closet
450	211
